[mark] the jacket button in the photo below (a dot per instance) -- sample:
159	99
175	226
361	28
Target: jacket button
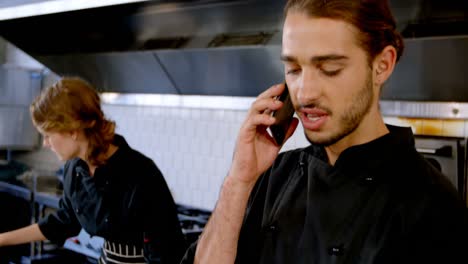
336	250
369	179
106	220
272	228
78	211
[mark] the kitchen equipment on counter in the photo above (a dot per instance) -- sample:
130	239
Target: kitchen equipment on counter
11	170
192	221
447	154
18	87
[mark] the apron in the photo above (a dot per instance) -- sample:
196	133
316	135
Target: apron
118	253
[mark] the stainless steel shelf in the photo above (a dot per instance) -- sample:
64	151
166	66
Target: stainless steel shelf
17	191
47	199
436	110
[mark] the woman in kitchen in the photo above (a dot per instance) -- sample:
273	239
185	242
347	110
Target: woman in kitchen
110	189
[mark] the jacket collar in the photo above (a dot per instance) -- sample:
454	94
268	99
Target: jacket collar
364	159
117	158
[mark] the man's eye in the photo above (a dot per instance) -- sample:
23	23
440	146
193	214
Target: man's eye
331	73
292	71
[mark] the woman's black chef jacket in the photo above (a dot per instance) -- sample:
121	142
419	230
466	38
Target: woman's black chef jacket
126	201
381	202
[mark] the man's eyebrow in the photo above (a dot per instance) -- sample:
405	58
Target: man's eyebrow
325	58
316	59
287	58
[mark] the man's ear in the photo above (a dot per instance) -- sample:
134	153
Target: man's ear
383	65
74	134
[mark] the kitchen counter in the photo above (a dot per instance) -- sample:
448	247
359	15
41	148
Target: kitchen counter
42	195
17	191
47	198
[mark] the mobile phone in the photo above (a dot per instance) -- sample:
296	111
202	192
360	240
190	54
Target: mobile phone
283	116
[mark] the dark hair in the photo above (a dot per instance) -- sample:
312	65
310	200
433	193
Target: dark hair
372	18
73	104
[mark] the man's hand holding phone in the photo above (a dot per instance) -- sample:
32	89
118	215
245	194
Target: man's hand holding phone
254	153
283	117
256	149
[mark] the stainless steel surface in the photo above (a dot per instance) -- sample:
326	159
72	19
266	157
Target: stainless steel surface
448	153
167	47
16	129
192	69
242	71
201	19
41	190
441	110
418	18
13	3
47	199
17	90
426	150
17	191
426	13
121	72
13	9
18	86
149	25
245	71
431	69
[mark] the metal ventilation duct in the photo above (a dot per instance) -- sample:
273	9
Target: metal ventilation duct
218	47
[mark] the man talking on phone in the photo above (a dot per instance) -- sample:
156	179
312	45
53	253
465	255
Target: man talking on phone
360	193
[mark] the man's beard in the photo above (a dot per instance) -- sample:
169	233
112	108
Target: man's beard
353	115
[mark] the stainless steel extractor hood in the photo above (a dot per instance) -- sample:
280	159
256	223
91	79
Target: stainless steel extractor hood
221	47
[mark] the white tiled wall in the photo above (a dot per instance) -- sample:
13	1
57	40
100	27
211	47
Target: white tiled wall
192	147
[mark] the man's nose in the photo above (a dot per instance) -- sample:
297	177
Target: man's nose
309	89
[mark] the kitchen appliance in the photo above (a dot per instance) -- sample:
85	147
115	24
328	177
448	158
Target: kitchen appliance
448	155
192	221
18	87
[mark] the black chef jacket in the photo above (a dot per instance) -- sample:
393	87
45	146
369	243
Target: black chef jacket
381	202
126	201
